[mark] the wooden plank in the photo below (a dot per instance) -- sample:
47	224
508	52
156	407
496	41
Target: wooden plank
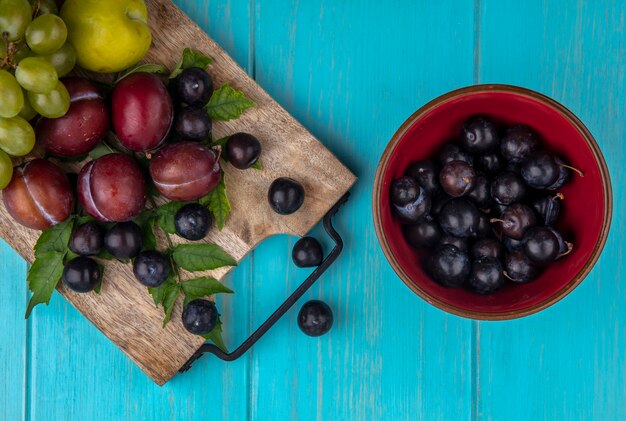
568	361
77	370
14	336
124	311
352	72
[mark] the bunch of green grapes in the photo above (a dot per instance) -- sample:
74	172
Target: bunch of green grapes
33	56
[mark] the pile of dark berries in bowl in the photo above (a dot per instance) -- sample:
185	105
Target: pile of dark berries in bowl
485	207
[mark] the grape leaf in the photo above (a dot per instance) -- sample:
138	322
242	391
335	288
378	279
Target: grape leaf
145	68
55	238
105	255
215	336
101	150
165	216
227	103
43	277
146	222
169	299
149	239
258	165
217	203
199	257
202	287
158	293
83	219
220	142
70	255
191	58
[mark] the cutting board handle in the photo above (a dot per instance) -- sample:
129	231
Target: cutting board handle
293	298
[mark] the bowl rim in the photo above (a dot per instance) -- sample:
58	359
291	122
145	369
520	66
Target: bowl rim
502	315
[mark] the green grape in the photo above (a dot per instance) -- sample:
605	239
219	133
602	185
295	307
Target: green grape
22	52
11	94
27	112
15	15
6	169
36	75
63	59
46	34
17	137
53	104
46	6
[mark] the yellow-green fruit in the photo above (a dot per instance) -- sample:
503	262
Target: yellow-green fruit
108	36
17	137
46	34
12	97
63	60
27	112
6	169
35	74
54	104
15	15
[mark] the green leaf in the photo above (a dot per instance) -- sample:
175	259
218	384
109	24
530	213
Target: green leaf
105	255
43	277
202	287
144	217
165	216
146	222
149	239
99	151
146	68
199	257
258	165
169	299
158	293
70	255
215	336
83	219
220	142
55	238
227	103
191	58
218	204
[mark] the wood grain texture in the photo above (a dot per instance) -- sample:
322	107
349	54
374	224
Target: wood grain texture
77	373
568	361
124	311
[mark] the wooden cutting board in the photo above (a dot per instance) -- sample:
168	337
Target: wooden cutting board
124	311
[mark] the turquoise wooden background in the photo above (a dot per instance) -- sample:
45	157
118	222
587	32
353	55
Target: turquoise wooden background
351	72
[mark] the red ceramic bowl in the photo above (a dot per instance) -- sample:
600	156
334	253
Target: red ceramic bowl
586	210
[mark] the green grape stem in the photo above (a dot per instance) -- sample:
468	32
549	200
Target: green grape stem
36	8
11	50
